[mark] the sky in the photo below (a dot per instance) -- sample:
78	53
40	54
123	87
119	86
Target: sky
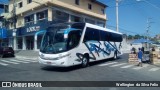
133	15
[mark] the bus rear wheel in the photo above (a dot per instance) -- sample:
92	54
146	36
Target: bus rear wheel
85	61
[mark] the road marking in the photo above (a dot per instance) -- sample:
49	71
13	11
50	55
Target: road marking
19	61
28	60
127	66
33	60
108	64
154	69
4	64
118	65
9	62
19	57
143	66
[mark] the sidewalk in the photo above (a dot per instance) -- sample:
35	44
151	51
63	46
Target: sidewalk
26	54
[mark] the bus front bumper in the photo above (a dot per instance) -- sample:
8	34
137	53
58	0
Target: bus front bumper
56	63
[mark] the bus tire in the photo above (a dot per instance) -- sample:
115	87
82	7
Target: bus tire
85	61
115	56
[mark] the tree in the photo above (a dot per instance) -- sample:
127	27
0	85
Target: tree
130	37
137	36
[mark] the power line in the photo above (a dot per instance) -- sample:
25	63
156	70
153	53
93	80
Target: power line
152	4
124	5
140	11
127	31
121	29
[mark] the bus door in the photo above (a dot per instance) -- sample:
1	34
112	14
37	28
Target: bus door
73	42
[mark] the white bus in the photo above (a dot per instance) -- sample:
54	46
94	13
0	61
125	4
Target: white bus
71	44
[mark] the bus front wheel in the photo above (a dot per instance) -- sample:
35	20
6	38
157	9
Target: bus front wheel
85	61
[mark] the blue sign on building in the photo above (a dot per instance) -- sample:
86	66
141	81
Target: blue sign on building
27	29
3	33
31	29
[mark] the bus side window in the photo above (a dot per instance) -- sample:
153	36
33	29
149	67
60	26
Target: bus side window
91	34
73	40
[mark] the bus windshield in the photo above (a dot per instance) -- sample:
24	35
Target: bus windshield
55	39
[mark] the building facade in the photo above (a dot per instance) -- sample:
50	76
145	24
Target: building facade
34	16
157	36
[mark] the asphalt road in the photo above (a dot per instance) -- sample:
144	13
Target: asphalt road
24	69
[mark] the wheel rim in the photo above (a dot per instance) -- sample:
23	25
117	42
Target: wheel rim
84	61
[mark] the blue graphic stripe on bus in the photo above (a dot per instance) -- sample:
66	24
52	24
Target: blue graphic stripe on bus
115	47
70	29
93	41
97	48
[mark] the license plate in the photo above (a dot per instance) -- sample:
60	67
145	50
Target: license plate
9	52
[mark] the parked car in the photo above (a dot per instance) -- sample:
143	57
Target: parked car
6	51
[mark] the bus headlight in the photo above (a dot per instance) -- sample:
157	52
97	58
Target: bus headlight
62	56
41	56
53	58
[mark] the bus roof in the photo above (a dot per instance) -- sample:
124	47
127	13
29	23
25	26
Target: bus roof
101	28
87	25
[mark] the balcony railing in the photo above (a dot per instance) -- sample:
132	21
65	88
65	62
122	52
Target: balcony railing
38	22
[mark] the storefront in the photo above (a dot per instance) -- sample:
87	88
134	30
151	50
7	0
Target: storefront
31	40
3	37
28	37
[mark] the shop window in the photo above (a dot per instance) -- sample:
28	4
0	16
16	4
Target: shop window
76	19
20	5
42	15
19	23
19	43
29	18
90	6
77	2
89	21
102	24
60	16
12	25
103	11
29	1
6	8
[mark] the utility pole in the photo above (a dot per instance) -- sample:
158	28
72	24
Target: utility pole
14	22
117	19
148	27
